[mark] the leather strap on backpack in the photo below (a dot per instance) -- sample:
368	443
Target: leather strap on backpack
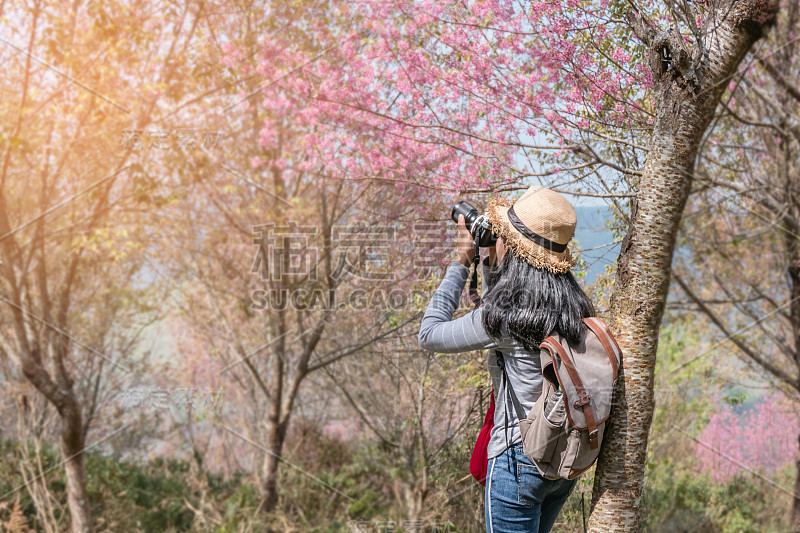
601	330
583	401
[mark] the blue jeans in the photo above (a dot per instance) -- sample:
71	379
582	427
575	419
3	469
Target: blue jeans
518	498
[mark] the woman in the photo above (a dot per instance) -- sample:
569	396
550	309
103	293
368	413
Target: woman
531	294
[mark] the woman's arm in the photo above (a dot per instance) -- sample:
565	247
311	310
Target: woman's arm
439	332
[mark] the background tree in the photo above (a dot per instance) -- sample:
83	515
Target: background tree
68	204
741	260
305	251
430	406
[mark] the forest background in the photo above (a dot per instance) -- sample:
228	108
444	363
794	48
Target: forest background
220	223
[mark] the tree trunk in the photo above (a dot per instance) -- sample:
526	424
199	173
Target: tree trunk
72	439
794	317
276	436
269	495
686	98
796	499
72	448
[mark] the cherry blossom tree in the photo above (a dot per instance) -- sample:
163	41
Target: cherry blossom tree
765	437
480	97
70	202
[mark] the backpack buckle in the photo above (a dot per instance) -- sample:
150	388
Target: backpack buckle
593	444
583	399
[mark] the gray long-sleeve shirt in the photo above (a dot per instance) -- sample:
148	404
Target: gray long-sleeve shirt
440	333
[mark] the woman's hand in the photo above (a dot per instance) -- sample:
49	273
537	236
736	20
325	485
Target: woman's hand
466	243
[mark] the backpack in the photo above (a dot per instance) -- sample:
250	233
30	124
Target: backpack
586	376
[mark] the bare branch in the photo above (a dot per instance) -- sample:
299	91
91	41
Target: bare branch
749	351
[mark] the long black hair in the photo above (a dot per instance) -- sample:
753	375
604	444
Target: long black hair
533	303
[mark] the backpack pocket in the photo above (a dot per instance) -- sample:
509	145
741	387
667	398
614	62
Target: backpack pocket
543	441
573	447
585	457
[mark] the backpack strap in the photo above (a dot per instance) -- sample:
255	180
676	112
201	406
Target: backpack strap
601	330
509	389
606	339
583	398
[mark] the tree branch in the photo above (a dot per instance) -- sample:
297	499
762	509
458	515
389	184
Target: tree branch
747	350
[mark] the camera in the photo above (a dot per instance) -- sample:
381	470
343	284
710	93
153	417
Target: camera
477	224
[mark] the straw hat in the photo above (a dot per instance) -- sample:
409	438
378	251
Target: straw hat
537	227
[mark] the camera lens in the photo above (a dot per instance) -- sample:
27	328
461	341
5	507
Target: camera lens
469	212
481	229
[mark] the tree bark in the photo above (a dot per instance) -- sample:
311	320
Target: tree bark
276	433
72	448
794	316
687	92
71	439
796	499
269	485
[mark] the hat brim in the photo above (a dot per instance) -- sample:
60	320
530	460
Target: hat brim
534	254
